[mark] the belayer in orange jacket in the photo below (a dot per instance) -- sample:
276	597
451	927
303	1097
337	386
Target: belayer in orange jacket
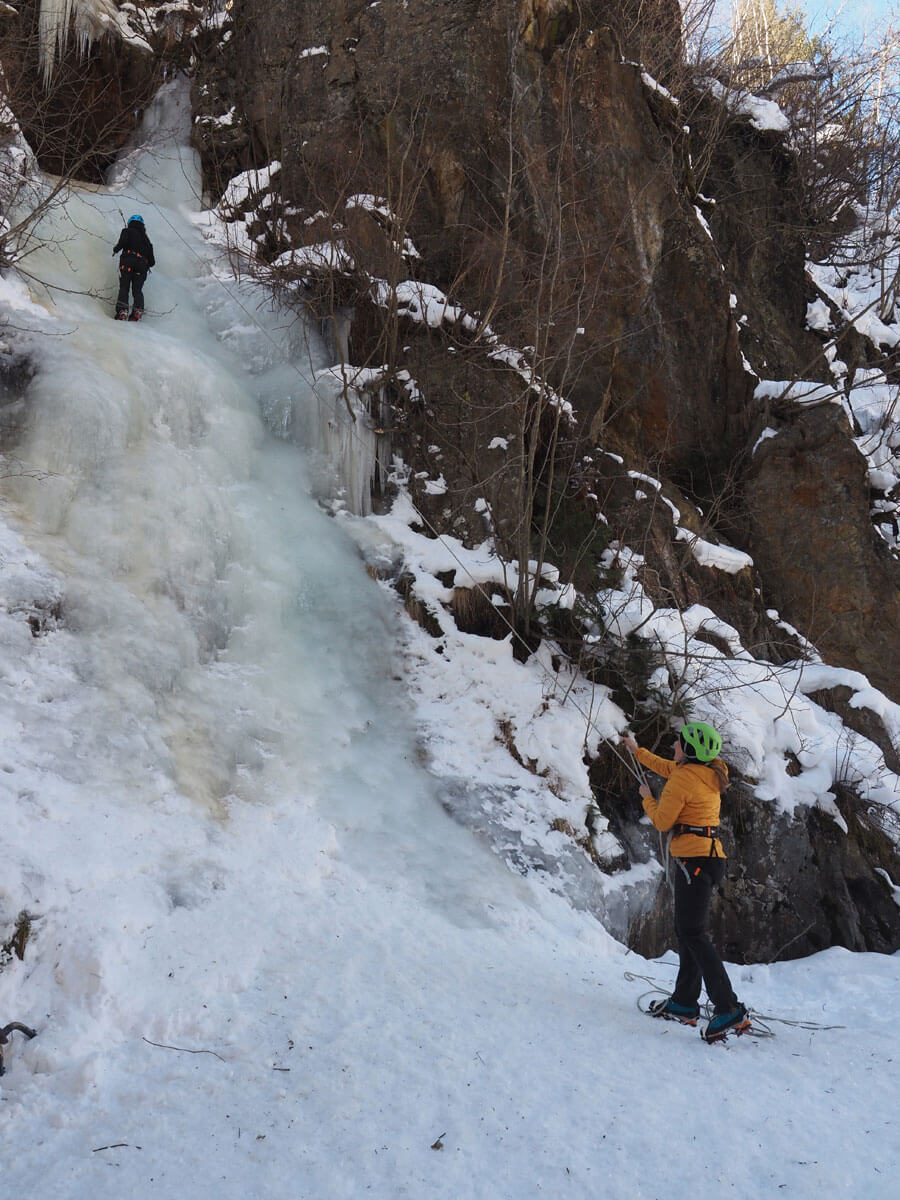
689	806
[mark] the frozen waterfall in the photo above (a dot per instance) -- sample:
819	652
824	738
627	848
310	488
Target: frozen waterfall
214	618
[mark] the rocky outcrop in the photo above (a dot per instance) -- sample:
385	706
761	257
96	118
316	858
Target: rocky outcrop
540	178
803	500
813	542
761	233
80	94
793	887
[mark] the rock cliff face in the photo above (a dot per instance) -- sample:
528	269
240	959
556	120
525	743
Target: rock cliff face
515	138
805	494
811	537
546	182
527	141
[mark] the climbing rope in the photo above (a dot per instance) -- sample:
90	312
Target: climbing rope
760	1022
810	1025
758	1027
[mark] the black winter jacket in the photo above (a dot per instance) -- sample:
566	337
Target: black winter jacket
136	248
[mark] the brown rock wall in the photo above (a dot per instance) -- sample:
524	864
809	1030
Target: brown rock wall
813	542
544	182
517	143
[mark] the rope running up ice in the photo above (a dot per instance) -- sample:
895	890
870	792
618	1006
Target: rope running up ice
630	764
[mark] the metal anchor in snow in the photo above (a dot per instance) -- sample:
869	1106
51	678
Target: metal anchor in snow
13	1027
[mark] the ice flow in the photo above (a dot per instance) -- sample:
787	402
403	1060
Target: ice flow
223	639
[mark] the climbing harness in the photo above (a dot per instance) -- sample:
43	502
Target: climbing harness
706	831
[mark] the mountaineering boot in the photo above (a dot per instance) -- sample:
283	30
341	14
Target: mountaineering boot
670	1011
737	1021
122	316
136	314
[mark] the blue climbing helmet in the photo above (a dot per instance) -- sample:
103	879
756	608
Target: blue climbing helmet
700	741
136	217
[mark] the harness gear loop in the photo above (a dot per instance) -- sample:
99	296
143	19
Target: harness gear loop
666	856
685	872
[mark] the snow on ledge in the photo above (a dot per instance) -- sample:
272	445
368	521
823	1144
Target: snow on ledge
766	434
247	183
655	86
895	891
801	391
818	316
712	554
764	115
708	554
704	223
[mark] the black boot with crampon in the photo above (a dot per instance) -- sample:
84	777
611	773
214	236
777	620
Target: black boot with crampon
668	1010
737	1021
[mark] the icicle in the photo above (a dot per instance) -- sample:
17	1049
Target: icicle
92	19
53	32
348	444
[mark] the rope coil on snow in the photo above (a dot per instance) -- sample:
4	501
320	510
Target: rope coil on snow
760	1021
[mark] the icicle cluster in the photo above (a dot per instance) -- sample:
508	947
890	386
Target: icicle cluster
349	401
91	19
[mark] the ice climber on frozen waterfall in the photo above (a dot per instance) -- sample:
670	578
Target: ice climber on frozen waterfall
137	258
689	806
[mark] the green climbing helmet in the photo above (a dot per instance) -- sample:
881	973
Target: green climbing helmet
701	740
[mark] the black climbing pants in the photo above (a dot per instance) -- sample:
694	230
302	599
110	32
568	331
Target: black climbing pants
695	879
131	278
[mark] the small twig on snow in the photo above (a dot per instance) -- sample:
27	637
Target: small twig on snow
182	1049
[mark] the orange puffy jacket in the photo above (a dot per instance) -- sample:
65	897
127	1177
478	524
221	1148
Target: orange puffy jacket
691	797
